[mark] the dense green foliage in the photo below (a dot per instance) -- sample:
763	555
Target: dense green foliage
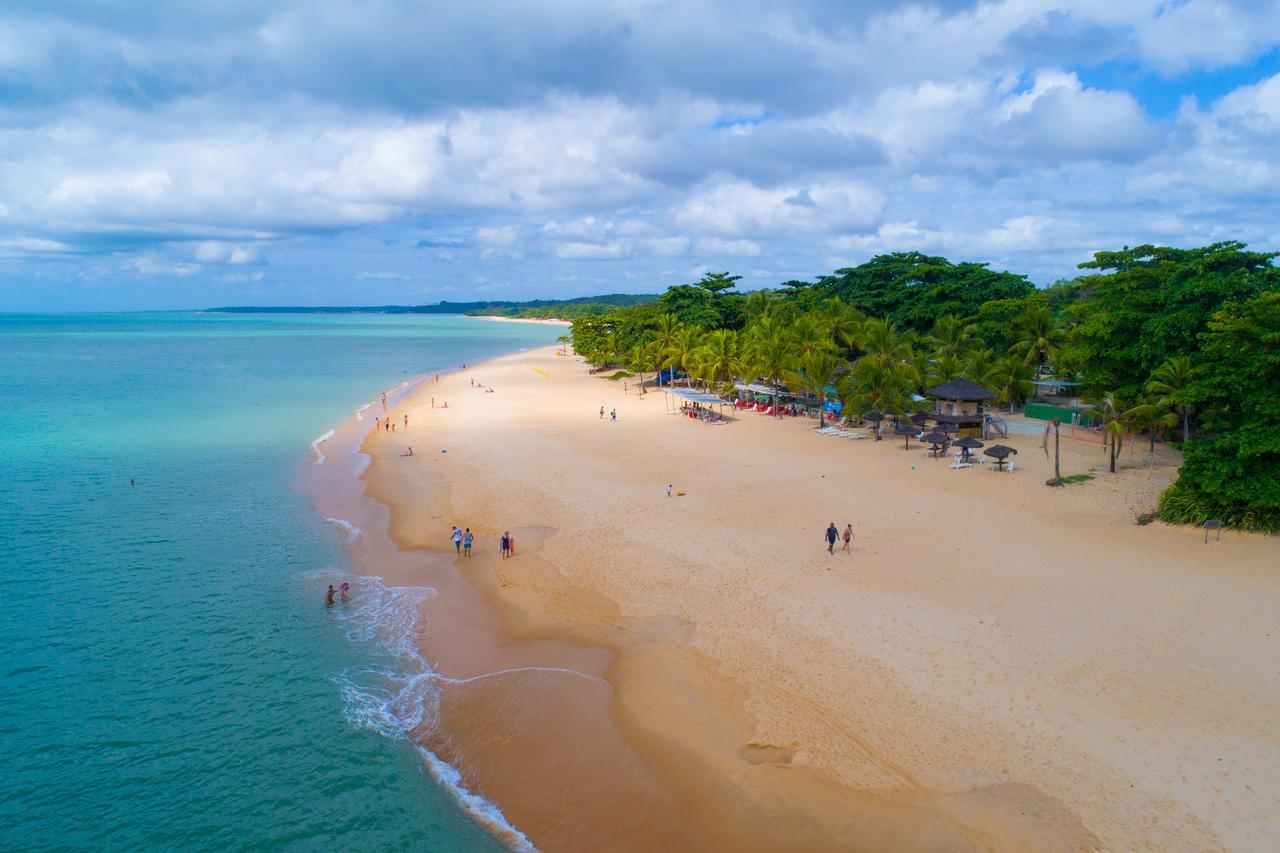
1232	472
1175	343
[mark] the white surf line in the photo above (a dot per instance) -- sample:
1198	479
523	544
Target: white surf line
485	675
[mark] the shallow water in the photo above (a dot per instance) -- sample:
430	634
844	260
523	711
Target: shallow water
170	677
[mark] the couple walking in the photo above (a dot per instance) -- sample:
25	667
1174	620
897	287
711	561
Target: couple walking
462	541
833	535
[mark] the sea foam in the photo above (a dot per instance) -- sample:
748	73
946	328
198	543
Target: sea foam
350	531
315	446
401	694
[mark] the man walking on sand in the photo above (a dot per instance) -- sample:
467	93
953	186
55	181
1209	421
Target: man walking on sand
848	536
832	536
613	415
602	413
457	540
467	539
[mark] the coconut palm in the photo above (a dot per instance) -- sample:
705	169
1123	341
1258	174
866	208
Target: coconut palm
1036	335
1012	380
1169	382
681	352
719	359
768	352
644	358
945	367
980	366
813	373
1152	416
811	334
1109	410
563	341
953	336
882	386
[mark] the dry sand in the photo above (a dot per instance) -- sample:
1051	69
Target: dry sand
995	665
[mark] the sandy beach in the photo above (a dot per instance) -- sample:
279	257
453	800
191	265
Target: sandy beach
995	665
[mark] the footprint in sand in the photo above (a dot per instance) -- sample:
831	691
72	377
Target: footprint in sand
767	753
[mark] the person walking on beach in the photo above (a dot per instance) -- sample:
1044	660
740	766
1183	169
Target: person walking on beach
613	415
457	540
406	421
832	536
384	401
433	402
848	536
328	598
506	543
602	413
668	490
467	539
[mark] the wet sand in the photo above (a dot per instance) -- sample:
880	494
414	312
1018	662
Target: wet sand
996	665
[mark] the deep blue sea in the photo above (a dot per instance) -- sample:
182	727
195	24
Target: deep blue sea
169	678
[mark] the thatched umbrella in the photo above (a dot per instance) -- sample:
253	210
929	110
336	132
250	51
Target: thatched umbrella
946	427
920	418
937	439
1000	452
906	430
875	418
967	444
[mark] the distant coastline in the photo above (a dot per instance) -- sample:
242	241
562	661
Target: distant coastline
533	309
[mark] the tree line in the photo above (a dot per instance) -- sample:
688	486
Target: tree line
1176	344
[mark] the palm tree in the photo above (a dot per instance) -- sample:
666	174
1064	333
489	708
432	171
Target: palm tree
1169	382
813	373
719	359
768	351
953	336
945	367
1011	378
980	366
680	353
811	334
843	322
882	386
564	340
1036	336
644	358
1110	411
1151	416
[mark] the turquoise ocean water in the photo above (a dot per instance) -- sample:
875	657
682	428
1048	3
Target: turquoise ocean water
169	677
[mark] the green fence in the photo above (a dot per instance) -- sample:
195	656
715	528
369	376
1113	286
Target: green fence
1045	412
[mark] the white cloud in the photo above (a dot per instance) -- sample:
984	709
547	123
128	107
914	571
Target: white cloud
150	266
593	251
732	248
217	252
737	208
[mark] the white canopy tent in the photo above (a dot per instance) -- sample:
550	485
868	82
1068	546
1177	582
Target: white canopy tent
702	398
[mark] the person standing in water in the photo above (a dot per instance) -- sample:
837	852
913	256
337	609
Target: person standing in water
832	536
344	591
328	598
467	539
848	536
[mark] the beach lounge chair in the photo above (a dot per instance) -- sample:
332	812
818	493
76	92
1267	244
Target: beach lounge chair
958	465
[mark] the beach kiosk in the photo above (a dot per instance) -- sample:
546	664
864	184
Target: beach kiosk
960	404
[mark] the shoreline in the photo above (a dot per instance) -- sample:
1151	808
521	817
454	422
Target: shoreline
742	742
545	321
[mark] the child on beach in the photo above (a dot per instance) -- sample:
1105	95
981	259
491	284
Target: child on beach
848	535
467	539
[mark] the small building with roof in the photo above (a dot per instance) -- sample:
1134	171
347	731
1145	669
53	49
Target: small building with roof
960	404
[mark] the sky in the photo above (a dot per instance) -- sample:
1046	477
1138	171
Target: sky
187	155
